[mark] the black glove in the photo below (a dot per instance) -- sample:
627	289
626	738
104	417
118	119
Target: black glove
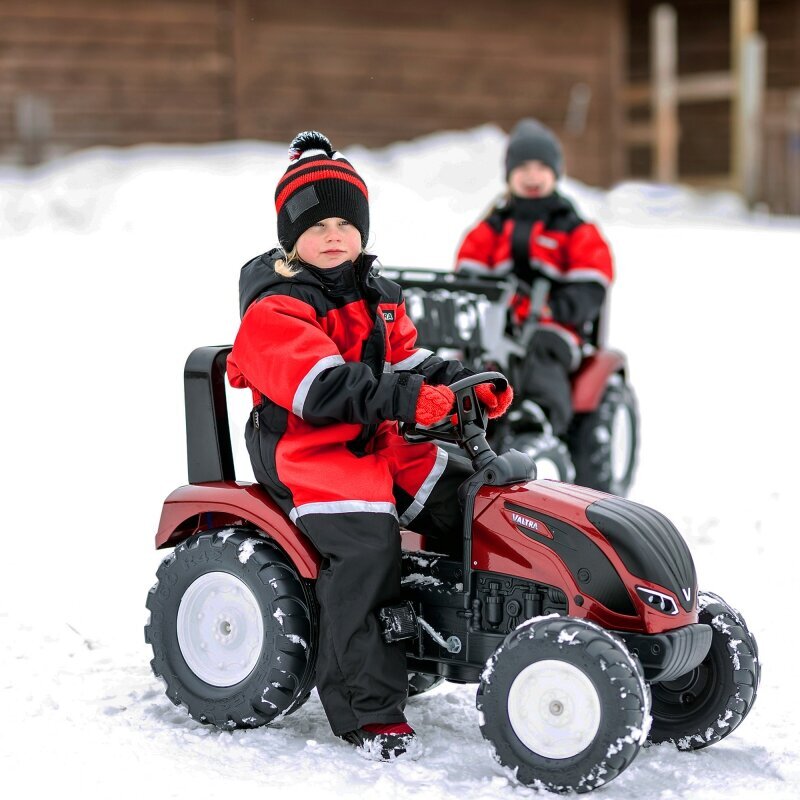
576	303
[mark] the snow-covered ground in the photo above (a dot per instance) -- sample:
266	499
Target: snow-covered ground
115	264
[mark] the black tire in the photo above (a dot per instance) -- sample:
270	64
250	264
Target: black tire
263	598
550	454
604	443
584	673
421	682
709	703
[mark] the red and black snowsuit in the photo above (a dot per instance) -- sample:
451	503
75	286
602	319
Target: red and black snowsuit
331	359
545	237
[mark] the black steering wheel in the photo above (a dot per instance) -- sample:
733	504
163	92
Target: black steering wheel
469	412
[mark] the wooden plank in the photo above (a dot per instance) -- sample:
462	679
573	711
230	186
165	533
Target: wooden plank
704	87
195	64
51	55
165	11
517	44
111	32
641	133
698	88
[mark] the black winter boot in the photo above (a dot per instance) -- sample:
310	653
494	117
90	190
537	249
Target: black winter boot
385	742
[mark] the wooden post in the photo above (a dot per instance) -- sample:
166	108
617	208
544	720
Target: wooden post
242	23
744	23
792	150
664	95
34	127
751	103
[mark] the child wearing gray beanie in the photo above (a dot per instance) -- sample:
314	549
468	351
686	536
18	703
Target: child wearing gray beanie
534	232
532	141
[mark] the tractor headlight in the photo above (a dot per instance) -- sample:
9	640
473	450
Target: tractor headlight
657	600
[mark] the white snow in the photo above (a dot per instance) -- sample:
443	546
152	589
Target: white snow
247	548
115	264
417	579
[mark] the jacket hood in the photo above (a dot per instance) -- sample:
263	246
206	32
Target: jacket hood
258	276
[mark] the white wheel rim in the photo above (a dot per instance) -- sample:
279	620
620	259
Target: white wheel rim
220	629
621	443
554	709
546	468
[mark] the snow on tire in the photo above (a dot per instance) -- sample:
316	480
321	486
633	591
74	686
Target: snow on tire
564	705
707	704
233	629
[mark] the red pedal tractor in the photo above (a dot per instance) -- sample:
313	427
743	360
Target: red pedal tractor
575	612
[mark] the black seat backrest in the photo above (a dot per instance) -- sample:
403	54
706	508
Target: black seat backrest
208	438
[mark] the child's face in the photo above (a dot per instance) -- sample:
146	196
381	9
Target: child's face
532	179
328	243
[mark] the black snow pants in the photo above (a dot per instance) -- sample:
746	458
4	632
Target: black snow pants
546	379
360	678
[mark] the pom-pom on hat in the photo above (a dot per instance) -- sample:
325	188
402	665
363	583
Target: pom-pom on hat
318	183
532	141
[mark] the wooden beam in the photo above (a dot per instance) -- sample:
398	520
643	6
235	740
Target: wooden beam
705	86
636	94
664	98
698	88
638	133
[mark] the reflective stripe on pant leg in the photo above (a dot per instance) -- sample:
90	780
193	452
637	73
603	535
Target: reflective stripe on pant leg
418	503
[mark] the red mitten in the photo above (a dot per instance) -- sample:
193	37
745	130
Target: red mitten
433	404
496	404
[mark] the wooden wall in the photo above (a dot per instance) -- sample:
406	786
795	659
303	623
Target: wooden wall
401	70
116	72
120	72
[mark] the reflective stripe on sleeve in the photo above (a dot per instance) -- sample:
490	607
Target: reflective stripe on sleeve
471	267
301	394
412	361
587	274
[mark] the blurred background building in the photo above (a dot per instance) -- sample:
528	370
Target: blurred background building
705	92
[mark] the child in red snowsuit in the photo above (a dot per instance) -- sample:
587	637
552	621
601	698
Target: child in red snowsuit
330	355
535	232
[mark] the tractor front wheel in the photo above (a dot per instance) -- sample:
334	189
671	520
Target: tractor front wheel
564	704
705	705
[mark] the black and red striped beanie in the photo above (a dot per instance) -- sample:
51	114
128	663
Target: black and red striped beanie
318	183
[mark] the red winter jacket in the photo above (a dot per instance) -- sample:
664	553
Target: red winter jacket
544	237
328	354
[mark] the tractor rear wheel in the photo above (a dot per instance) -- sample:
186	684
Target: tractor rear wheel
233	629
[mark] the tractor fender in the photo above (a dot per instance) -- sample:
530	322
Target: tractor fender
197	507
592	377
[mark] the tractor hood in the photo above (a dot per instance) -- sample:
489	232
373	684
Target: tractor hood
569	520
648	544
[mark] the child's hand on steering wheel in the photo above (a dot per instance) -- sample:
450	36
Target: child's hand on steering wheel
433	404
496	404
